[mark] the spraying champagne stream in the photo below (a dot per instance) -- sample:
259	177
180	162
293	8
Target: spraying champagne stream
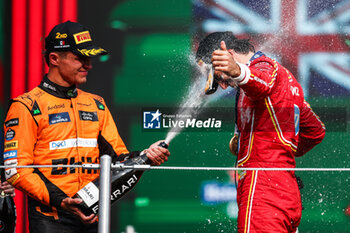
126	179
194	101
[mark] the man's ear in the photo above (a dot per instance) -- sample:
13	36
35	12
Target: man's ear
53	58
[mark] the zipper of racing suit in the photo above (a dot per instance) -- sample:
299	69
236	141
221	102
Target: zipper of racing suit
76	121
255	56
236	130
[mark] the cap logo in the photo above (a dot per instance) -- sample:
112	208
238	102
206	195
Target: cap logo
61	36
91	52
82	37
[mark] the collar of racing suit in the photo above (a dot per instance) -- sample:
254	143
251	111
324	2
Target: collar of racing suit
57	90
256	55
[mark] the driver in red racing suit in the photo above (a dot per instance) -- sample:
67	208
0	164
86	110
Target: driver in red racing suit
275	124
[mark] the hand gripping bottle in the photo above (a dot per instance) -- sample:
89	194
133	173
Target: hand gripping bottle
122	181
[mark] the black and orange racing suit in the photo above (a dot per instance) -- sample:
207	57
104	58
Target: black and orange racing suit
57	125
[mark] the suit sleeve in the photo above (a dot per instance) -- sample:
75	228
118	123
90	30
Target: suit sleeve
257	80
20	130
109	140
312	130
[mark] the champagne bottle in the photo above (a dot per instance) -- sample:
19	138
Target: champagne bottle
122	182
7	213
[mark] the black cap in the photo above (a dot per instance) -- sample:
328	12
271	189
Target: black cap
74	37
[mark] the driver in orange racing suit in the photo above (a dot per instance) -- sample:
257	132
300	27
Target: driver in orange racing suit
57	123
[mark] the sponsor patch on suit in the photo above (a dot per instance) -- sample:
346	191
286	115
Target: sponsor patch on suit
10	134
73	142
9	173
12	154
11	162
14	177
59	118
88	116
11	145
12	122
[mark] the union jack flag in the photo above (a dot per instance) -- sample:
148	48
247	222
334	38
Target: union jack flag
309	37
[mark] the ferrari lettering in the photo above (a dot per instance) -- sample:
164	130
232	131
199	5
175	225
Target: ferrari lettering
89	194
126	186
95	209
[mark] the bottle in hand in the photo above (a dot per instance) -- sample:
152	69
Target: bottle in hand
122	181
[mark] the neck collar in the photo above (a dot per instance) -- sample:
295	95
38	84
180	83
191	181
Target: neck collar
256	55
57	90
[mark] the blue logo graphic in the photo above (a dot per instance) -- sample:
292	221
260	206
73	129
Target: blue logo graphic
59	118
296	119
10	134
10	154
213	192
59	144
151	120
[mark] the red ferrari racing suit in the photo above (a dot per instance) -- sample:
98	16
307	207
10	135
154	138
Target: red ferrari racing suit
59	126
275	124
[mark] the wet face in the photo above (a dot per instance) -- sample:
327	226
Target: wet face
72	69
